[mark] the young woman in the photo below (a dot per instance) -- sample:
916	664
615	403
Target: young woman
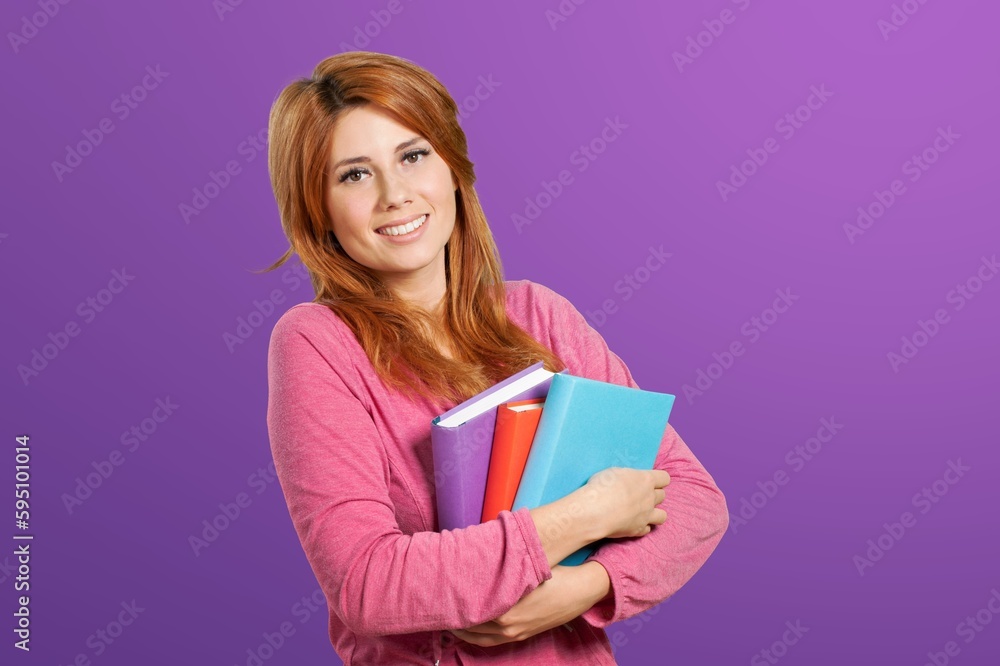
371	174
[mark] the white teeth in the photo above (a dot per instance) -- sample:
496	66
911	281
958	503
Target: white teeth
403	228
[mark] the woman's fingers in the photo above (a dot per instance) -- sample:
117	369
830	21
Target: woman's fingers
660	478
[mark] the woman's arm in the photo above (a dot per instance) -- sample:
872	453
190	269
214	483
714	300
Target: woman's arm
646	571
567	525
334	474
564	597
643	571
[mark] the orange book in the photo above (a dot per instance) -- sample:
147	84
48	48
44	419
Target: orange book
516	424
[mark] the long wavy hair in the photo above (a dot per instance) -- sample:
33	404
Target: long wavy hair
396	336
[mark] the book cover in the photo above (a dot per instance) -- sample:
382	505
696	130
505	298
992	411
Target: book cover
516	424
462	440
587	426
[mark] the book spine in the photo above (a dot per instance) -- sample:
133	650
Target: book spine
493	488
545	444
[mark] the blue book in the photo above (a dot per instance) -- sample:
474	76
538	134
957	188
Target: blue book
588	426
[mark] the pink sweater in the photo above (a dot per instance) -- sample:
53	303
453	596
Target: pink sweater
354	462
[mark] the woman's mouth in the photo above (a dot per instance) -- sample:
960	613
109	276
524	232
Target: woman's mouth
404	229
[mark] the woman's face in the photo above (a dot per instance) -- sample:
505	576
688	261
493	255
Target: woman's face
382	173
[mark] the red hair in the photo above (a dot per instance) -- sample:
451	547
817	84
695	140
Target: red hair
397	336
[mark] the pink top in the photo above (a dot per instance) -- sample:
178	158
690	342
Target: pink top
354	462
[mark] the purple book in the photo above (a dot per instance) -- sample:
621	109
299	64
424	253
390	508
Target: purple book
462	441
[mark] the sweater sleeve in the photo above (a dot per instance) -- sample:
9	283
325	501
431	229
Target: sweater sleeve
334	472
644	571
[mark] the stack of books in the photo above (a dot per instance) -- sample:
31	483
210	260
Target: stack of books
536	437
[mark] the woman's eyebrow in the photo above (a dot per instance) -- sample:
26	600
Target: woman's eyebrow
363	158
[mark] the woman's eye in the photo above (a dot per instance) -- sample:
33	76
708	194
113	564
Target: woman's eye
415	153
349	175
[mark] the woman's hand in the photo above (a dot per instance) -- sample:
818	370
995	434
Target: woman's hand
626	499
568	594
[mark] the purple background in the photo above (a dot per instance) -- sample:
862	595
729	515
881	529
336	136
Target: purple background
654	185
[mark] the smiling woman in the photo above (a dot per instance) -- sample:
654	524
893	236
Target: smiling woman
373	141
374	186
394	212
